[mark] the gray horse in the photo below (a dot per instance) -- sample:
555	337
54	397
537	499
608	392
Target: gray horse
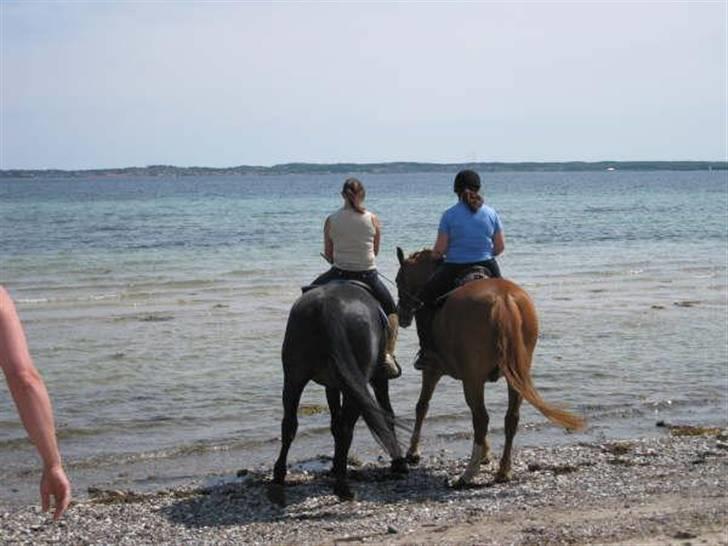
335	336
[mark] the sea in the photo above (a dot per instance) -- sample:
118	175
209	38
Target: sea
155	310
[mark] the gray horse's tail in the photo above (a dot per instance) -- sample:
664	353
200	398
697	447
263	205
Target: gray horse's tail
354	383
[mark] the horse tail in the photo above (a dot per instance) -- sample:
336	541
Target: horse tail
354	383
515	362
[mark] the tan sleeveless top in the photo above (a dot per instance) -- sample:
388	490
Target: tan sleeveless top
353	237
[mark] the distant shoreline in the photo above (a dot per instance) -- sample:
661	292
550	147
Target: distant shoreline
370	168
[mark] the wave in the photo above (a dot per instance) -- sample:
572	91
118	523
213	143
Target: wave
80	294
144	317
615	209
172	283
185	450
69	299
592	412
15	443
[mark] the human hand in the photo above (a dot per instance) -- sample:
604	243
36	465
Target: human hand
55	483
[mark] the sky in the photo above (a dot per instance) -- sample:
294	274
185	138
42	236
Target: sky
132	83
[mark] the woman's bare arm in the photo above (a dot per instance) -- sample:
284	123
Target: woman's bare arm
440	248
33	403
377	233
499	243
328	242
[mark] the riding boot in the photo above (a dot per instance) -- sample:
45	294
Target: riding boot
428	353
391	366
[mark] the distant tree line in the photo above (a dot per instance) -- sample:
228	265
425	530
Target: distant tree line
383	168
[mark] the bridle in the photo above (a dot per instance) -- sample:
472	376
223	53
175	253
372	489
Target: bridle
407	299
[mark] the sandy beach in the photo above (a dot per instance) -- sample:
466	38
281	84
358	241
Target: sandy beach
666	490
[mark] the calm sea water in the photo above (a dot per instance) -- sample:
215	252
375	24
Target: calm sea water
155	309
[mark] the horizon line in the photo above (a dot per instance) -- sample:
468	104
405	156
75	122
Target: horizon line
366	164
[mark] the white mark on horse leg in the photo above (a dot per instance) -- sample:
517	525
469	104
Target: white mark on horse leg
473	465
486	452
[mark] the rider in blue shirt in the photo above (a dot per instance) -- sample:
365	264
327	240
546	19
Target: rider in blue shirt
470	234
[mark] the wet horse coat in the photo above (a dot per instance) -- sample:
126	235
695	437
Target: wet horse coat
335	336
485	329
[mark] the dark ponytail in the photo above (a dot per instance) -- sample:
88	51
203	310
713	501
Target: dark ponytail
472	199
352	190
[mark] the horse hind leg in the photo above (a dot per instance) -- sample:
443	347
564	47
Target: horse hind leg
511	425
381	393
343	434
476	401
289	426
333	397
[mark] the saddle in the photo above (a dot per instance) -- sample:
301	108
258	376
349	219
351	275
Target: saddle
474	273
471	274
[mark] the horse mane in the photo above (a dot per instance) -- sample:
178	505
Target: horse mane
421	255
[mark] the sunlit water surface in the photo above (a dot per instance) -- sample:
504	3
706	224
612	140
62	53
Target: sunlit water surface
155	309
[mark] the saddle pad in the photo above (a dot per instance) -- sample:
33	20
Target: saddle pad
472	274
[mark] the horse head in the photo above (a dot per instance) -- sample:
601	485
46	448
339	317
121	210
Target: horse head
414	271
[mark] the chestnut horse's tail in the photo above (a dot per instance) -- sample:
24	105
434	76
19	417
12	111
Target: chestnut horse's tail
515	362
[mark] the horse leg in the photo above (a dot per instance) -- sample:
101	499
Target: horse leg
381	393
289	426
429	382
333	397
476	402
486	452
344	432
512	417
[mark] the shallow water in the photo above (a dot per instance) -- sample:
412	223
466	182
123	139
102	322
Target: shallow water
155	309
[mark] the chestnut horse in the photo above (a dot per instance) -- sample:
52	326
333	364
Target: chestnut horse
485	329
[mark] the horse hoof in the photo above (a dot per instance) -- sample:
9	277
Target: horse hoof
413	458
460	484
399	466
344	492
279	474
277	494
503	477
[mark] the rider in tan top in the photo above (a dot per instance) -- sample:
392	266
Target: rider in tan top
351	242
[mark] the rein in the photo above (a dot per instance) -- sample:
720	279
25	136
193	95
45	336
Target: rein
417	302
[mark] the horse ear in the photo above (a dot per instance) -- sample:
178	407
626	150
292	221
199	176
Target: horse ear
400	256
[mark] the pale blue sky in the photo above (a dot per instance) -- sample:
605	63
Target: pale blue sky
116	84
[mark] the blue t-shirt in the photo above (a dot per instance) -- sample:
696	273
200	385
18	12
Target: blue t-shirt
470	234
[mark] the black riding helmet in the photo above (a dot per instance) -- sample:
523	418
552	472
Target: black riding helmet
466	179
